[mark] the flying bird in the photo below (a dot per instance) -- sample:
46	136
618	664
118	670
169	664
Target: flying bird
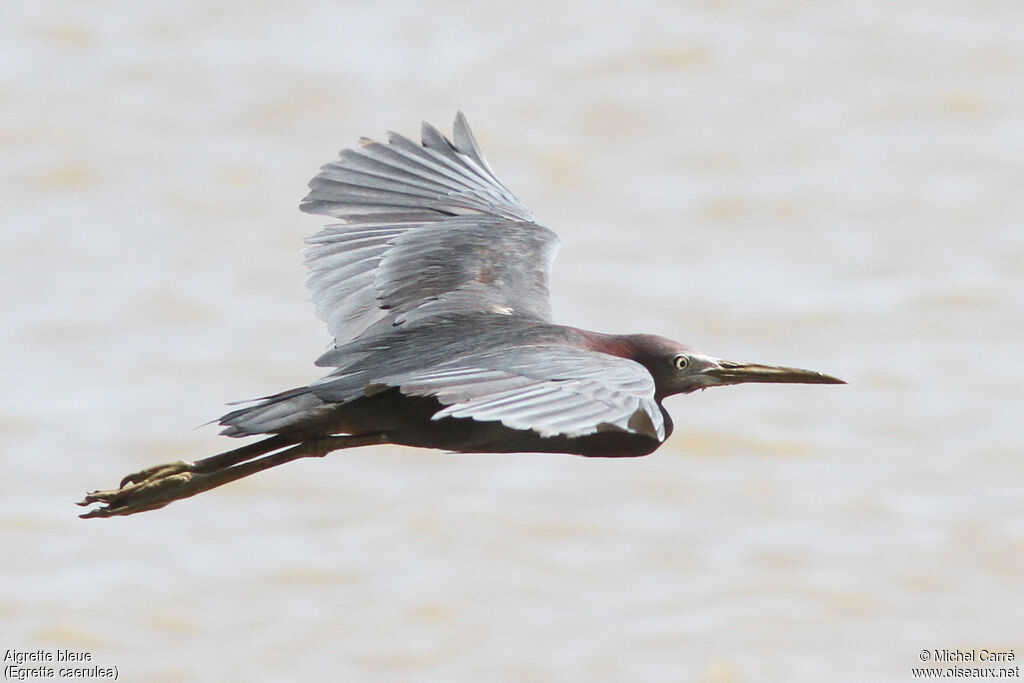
434	285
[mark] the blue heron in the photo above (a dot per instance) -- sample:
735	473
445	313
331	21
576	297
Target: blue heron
435	288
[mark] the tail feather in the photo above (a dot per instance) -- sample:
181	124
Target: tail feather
273	414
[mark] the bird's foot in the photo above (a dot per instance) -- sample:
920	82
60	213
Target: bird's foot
149	489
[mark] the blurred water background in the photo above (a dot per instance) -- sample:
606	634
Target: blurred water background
829	185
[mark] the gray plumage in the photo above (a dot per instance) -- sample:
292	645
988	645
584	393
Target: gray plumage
436	283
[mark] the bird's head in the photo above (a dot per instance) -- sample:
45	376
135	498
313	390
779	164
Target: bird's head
680	369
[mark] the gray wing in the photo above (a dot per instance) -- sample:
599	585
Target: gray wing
553	390
428	229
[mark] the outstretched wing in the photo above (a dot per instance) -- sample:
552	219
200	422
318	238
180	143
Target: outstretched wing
428	229
553	390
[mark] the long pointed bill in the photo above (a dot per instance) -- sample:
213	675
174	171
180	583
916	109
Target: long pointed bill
730	372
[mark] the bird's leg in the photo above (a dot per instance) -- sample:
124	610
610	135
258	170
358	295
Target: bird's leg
155	487
214	462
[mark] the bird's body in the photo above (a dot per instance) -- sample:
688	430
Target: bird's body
435	288
491	383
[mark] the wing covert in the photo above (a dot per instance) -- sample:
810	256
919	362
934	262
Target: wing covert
553	390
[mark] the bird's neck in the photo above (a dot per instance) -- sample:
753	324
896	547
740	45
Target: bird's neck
613	344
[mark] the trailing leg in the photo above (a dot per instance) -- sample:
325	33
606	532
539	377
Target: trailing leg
158	486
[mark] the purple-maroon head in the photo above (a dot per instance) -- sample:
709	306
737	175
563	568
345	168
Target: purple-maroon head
681	369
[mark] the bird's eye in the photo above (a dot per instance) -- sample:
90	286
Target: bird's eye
680	362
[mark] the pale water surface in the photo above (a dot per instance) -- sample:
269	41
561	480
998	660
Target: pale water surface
830	185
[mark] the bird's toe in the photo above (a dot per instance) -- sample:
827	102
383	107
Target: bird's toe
146	490
156	472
